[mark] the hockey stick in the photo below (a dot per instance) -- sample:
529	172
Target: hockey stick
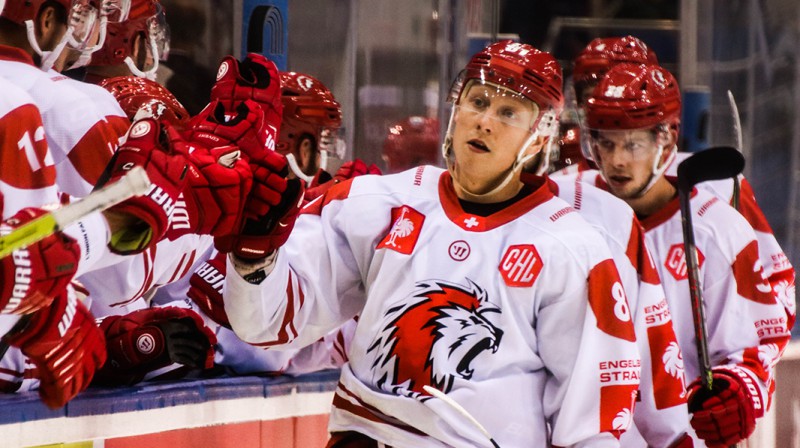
716	163
134	183
460	409
737	130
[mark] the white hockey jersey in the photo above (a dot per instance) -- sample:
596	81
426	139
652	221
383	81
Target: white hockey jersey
519	316
746	323
661	415
776	264
80	139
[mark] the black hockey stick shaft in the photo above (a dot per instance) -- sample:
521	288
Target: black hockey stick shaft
712	164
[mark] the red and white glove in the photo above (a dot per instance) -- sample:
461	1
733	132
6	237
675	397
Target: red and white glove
66	346
205	289
218	182
246	128
33	276
253	78
727	414
272	209
146	340
348	170
147	146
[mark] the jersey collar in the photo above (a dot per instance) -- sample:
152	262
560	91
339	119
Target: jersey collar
8	53
474	223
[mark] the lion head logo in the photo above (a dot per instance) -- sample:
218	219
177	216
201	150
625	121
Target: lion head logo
434	338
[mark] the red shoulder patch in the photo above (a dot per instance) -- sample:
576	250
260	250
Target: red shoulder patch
608	301
339	191
25	161
751	282
406	227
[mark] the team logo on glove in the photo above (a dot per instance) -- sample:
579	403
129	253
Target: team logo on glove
145	344
139	129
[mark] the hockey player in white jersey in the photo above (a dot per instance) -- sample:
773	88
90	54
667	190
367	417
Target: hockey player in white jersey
466	280
633	118
58	359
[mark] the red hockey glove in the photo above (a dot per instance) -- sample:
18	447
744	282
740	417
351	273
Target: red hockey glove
254	78
32	276
149	339
218	182
65	345
247	128
205	289
273	206
348	170
727	414
146	146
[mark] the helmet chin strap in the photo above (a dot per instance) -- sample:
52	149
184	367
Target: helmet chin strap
148	74
86	53
296	169
511	172
48	57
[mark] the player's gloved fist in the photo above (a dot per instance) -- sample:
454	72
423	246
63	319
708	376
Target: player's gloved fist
727	414
147	146
33	276
218	182
65	345
146	340
348	170
272	208
253	78
205	289
245	126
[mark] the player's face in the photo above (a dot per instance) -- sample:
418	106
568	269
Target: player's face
627	158
489	129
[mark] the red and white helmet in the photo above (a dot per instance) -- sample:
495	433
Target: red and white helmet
636	96
602	53
309	110
127	21
411	142
84	23
523	71
139	96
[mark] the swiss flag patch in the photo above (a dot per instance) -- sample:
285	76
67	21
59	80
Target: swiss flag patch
406	226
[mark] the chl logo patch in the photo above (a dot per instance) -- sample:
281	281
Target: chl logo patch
676	261
521	265
403	236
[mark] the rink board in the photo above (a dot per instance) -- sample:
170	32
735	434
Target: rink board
243	412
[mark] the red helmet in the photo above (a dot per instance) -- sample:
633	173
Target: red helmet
135	18
411	142
603	53
134	93
309	108
632	96
518	67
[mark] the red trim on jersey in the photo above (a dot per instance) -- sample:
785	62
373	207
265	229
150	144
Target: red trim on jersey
473	223
750	210
663	215
288	317
337	192
23	139
94	150
366	411
639	256
15	54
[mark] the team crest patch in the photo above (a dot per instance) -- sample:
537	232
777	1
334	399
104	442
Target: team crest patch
406	226
433	337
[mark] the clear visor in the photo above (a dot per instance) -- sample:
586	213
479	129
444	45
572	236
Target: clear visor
636	144
507	107
116	11
84	24
332	142
158	31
